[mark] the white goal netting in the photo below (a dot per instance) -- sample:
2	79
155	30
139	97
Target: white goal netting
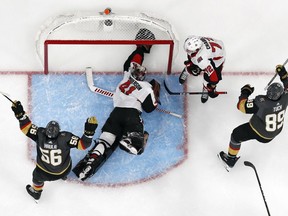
73	41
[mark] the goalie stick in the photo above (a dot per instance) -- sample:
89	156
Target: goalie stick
93	88
274	76
247	163
188	93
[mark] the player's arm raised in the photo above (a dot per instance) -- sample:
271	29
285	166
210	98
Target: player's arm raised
25	123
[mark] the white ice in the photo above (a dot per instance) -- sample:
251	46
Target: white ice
255	36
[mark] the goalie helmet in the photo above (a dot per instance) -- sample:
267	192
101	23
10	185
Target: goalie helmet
138	72
52	129
274	91
192	44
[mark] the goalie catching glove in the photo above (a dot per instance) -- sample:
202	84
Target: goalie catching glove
156	90
18	109
90	126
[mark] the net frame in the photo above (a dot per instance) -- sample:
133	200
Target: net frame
51	33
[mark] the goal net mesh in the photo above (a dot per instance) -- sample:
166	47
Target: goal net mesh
73	41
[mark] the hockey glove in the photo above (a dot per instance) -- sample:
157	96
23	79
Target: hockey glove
281	71
212	90
18	109
90	126
247	90
192	68
156	89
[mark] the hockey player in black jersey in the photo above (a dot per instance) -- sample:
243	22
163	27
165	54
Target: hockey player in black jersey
53	159
267	119
124	127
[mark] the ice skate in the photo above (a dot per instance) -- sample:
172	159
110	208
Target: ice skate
183	76
228	162
127	145
204	96
33	193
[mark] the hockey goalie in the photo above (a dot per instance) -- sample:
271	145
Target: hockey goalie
124	126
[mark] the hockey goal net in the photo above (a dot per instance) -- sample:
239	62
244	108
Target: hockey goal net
71	42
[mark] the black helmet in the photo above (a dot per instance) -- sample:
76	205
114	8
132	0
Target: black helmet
52	129
274	91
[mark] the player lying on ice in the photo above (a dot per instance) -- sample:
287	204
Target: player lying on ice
124	126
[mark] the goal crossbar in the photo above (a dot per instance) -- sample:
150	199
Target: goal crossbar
170	43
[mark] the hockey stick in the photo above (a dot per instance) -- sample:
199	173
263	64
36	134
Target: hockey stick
97	90
188	93
7	96
274	76
247	163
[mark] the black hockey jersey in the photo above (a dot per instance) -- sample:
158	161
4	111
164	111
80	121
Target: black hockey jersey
268	118
53	155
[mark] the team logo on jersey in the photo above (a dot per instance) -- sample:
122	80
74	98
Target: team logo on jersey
199	59
135	83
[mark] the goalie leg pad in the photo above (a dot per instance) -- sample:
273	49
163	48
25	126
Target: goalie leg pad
88	166
93	160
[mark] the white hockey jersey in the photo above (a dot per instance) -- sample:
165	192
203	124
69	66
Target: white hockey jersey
211	56
131	93
212	49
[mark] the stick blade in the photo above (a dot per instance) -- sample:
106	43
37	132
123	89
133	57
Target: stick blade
89	78
247	163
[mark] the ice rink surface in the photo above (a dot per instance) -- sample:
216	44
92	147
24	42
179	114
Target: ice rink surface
255	41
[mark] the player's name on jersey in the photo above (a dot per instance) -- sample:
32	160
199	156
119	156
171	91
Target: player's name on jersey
49	146
135	83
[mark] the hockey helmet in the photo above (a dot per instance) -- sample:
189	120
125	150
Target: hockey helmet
192	44
52	129
274	91
145	34
138	72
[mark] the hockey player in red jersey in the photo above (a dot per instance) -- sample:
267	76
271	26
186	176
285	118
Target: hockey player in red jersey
53	159
267	119
124	126
205	55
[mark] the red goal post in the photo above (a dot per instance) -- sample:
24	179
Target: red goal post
87	29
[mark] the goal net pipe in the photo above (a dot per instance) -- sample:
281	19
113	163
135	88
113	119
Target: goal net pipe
108	42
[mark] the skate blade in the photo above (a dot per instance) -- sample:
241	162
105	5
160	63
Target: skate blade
36	201
224	164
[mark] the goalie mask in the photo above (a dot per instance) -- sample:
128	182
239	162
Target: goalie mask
274	91
192	44
138	72
52	129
